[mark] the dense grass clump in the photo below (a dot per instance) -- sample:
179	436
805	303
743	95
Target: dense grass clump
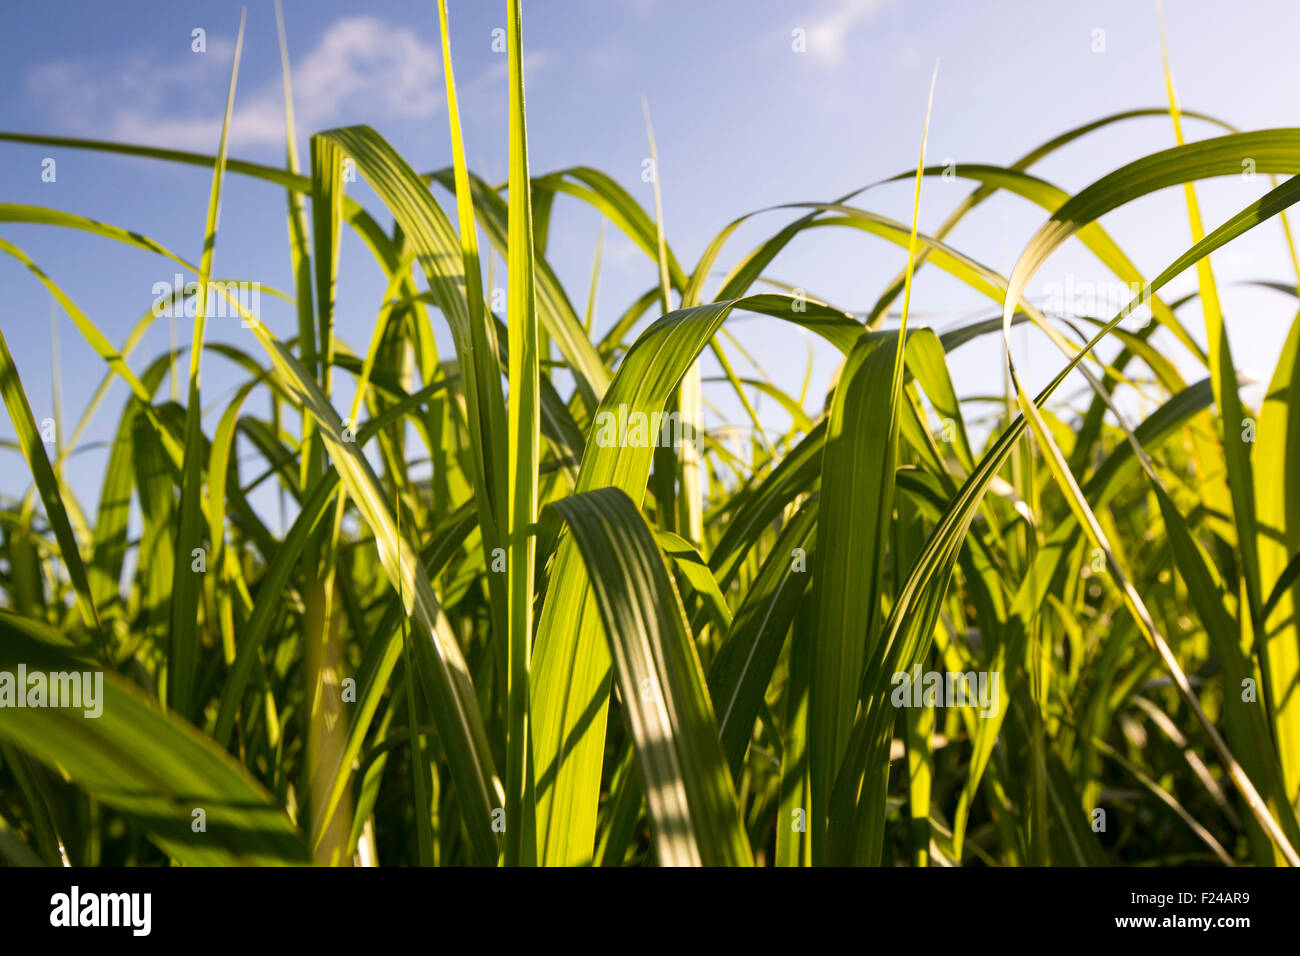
527	609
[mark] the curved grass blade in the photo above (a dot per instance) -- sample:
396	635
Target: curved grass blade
56	512
689	793
569	687
151	766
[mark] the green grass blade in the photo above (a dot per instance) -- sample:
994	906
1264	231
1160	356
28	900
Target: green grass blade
1277	477
691	801
152	766
56	512
569	688
183	650
523	437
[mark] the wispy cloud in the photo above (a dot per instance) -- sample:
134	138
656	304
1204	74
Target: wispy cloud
362	69
828	34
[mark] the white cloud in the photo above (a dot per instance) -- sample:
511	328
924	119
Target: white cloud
827	35
363	69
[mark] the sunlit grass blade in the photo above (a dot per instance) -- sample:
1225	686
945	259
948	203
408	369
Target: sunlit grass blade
523	437
1277	480
691	800
858	486
183	653
570	678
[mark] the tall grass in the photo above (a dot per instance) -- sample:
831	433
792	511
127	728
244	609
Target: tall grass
573	643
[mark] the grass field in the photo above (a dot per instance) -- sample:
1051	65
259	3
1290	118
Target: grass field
527	609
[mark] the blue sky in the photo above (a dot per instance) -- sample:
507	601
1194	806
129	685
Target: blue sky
742	121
